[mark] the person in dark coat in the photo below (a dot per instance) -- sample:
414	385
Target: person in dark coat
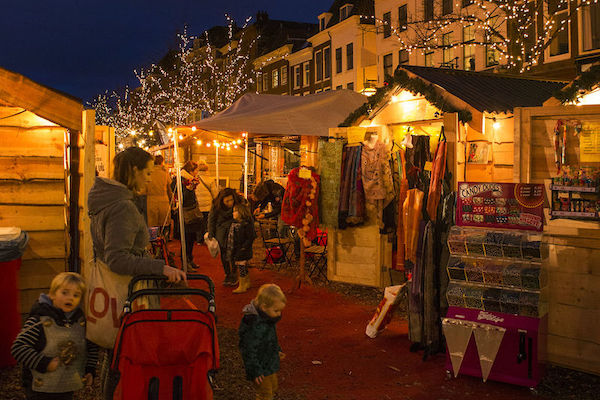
239	244
192	217
220	219
258	339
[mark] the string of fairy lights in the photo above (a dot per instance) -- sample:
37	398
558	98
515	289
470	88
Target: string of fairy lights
509	27
201	77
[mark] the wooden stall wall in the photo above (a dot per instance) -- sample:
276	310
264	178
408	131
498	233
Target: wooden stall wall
32	195
573	261
499	148
231	163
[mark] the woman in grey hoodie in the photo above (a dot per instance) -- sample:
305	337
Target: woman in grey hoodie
119	232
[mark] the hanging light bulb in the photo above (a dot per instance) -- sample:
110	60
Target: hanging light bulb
194	129
207	144
495	124
180	137
121	146
198	142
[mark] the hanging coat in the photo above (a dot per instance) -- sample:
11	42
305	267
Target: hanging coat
437	174
412	212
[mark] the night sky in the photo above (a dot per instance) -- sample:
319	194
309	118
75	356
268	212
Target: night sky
83	47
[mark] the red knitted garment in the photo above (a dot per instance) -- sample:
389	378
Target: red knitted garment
300	203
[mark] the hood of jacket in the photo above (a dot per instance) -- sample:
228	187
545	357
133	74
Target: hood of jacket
44	307
252	310
106	192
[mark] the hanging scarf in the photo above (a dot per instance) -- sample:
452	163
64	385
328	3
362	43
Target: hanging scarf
330	162
352	196
437	174
300	204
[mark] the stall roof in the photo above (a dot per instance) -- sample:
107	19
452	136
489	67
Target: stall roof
18	91
270	114
491	92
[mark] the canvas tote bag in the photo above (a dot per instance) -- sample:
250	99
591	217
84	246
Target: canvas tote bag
107	292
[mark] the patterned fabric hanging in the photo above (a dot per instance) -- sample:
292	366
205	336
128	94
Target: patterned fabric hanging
352	196
300	204
330	170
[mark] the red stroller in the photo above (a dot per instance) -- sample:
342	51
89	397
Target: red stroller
166	353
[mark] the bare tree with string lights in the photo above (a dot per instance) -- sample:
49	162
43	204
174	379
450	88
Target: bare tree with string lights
196	76
516	34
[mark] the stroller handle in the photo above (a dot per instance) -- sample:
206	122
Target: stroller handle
210	298
190	277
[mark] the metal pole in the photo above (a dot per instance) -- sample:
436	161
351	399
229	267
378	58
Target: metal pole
217	166
184	260
246	167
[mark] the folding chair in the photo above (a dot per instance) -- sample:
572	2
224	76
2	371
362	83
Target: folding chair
272	240
316	261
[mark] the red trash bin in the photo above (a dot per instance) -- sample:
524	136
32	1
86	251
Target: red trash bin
10	319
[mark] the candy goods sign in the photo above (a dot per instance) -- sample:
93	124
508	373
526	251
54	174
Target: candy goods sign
500	205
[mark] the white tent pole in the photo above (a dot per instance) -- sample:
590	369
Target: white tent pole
184	261
246	166
217	165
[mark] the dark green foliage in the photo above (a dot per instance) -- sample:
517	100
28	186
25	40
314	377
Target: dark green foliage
413	85
584	83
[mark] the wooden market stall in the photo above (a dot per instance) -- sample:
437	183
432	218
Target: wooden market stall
196	145
43	166
573	261
476	112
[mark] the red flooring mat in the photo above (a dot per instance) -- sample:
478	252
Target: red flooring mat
322	326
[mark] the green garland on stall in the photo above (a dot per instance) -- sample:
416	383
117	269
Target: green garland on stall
584	83
413	85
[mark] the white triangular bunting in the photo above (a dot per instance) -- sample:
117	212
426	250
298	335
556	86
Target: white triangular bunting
457	335
488	339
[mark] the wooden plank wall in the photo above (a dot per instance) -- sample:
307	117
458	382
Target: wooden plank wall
32	195
500	142
573	261
231	163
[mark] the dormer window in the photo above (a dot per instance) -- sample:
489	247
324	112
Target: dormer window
324	20
345	11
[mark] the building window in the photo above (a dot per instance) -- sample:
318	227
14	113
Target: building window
339	87
319	65
469	57
388	65
307	73
297	76
403	57
265	84
466	3
559	12
492	55
284	76
429	59
322	24
327	62
447	51
338	60
590	27
345	11
258	81
387	24
446	7
350	86
349	56
469	49
402	18
275	78
428	10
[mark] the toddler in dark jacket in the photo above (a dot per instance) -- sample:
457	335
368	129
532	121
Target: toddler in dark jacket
57	359
239	244
258	339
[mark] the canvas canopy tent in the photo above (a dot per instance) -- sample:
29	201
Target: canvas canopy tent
270	114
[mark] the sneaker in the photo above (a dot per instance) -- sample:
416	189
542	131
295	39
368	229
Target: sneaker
230	280
192	266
